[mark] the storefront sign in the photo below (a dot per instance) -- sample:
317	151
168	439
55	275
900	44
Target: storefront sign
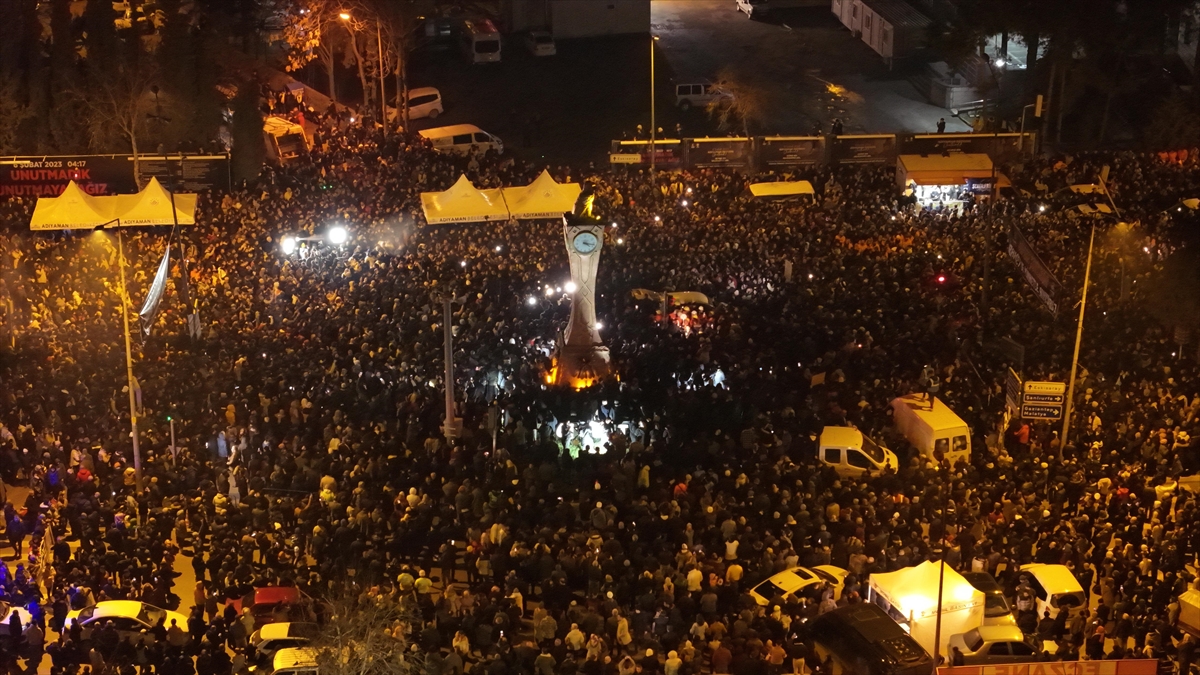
1040	278
731	153
791	151
866	149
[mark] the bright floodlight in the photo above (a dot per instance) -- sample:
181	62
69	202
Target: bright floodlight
338	235
570	287
288	245
531	300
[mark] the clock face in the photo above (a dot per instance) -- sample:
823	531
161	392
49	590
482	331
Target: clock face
585	242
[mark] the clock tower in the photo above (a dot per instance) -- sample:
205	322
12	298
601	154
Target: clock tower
582	358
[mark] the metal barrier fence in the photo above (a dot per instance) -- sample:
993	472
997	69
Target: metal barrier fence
790	152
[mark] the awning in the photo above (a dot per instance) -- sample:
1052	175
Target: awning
952	169
781	189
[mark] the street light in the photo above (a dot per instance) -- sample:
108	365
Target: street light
337	235
653	121
288	245
137	454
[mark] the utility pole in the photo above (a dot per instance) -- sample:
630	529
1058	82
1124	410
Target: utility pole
382	99
653	121
1087	275
937	628
452	426
137	455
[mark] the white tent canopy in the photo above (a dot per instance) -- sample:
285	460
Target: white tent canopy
463	203
73	209
911	595
543	198
152	206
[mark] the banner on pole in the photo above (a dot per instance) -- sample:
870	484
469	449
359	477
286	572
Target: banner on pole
1045	285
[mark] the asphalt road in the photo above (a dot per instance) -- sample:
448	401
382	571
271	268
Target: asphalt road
568	107
184	583
811	68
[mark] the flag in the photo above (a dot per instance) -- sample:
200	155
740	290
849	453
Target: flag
185	297
157	289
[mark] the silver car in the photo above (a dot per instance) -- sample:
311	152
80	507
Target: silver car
993	644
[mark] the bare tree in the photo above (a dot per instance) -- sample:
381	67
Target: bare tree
399	21
745	102
313	32
117	107
12	113
366	634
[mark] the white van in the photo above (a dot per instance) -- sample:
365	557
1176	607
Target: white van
295	661
1056	589
852	453
480	41
932	427
422	102
462	139
688	96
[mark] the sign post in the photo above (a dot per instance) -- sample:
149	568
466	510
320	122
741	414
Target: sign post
1043	400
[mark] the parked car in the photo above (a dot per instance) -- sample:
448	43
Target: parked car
295	661
540	43
462	139
688	96
6	612
996	611
1056	589
271	638
787	583
753	8
425	102
993	644
129	617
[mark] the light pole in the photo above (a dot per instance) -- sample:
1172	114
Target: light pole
1037	112
452	426
379	69
653	121
137	455
1087	275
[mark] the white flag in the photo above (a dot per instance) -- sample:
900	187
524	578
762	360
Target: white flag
157	290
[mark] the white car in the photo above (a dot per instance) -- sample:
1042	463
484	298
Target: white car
540	43
787	583
6	612
130	617
753	8
273	637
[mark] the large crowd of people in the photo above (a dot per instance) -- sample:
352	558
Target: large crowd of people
306	417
